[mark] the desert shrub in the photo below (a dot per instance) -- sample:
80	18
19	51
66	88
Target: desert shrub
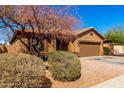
106	51
22	70
64	66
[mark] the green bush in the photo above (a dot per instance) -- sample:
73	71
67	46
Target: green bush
22	70
64	66
106	51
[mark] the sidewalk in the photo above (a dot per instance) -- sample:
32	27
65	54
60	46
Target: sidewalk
117	82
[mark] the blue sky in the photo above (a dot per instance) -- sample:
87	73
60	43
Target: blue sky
102	17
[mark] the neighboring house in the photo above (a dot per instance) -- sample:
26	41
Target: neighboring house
118	49
88	42
115	48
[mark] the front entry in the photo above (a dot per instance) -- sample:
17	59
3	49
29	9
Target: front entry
61	45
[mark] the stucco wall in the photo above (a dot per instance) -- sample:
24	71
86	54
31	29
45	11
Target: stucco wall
50	46
73	46
118	49
107	45
17	47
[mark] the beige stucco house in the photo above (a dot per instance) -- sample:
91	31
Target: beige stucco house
88	42
115	48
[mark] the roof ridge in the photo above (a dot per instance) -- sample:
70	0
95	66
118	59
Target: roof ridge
87	29
83	30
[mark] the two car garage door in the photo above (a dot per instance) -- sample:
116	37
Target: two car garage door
89	49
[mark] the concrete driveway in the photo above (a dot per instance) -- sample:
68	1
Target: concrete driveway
106	59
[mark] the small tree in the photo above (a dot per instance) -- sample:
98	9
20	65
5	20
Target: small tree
116	35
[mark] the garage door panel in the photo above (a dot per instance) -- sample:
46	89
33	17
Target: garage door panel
89	49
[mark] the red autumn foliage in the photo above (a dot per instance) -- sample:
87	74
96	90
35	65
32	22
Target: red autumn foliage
40	21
